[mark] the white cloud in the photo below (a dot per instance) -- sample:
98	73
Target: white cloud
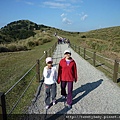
60	0
29	3
57	5
76	1
84	17
26	2
73	1
66	5
66	21
62	15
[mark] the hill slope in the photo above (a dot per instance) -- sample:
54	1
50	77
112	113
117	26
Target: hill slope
106	39
110	34
102	39
17	30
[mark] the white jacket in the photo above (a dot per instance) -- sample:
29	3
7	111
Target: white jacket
50	75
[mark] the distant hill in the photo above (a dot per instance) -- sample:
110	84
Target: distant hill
23	29
110	34
17	30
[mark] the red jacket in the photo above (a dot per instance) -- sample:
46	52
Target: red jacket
67	72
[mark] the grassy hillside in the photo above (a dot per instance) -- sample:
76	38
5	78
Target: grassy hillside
14	64
105	41
18	55
109	34
18	30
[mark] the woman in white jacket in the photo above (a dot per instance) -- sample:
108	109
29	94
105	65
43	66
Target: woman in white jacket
50	78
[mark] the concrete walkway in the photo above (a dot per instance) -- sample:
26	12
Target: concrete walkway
94	93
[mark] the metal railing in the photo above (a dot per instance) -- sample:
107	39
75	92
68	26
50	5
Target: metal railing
110	67
10	100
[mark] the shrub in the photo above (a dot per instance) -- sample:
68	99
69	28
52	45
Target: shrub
45	40
93	45
31	44
83	36
20	48
12	47
36	43
3	49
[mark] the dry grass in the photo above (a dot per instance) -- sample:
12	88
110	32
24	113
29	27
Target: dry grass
14	64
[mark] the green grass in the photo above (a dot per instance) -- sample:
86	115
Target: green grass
13	66
108	65
103	41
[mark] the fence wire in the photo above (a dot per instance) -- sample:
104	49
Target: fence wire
21	95
42	63
106	63
20	79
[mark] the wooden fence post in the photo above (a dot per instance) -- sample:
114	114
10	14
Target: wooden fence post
3	115
38	71
46	54
54	46
84	52
79	50
115	74
69	45
94	58
50	51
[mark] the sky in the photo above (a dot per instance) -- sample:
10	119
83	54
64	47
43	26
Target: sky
68	15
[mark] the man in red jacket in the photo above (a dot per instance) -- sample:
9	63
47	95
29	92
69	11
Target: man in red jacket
67	74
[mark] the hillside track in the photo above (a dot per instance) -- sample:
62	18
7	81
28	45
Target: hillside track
93	93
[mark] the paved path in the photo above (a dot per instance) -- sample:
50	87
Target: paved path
94	93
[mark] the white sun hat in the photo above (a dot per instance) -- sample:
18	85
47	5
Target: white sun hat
49	59
67	51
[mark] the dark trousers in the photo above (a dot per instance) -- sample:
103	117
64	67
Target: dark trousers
50	91
70	89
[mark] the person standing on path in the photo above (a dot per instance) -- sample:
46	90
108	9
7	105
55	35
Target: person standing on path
67	74
50	78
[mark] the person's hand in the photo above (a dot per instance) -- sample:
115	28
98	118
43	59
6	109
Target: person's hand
58	81
75	80
47	67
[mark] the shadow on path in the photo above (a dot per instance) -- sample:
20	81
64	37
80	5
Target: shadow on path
87	88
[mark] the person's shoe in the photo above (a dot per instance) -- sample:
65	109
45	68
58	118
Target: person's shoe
54	102
63	97
47	107
65	103
69	106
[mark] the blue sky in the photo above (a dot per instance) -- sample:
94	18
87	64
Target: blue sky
69	15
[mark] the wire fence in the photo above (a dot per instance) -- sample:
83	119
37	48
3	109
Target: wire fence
16	99
11	102
110	67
